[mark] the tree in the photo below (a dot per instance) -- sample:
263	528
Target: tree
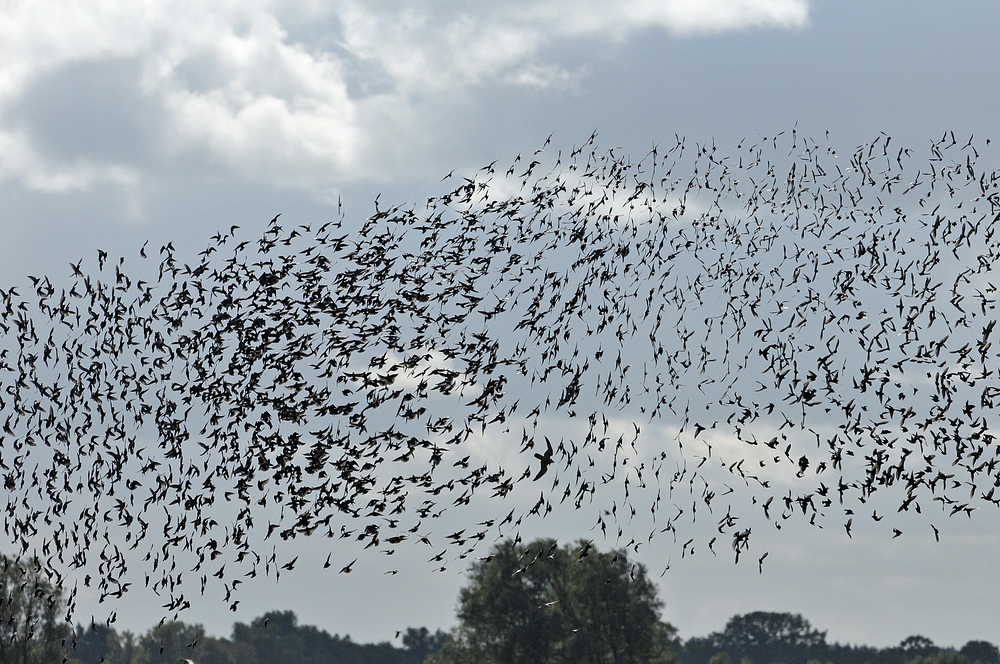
277	638
767	637
420	642
981	651
171	642
542	603
97	643
917	645
223	651
939	656
273	638
30	608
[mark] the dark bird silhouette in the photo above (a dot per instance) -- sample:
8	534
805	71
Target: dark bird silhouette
544	460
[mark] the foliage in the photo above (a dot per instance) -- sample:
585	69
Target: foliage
277	638
274	638
421	642
770	637
542	603
981	651
102	643
171	642
782	638
917	646
939	657
31	629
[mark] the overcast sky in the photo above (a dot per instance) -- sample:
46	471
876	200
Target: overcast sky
123	121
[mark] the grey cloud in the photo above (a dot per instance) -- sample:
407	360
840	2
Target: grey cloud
205	71
363	76
202	72
94	110
366	78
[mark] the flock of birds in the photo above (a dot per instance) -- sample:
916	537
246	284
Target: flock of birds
640	338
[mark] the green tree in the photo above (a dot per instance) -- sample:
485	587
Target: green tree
698	650
983	652
545	604
223	651
767	637
98	643
273	638
917	646
171	642
277	638
31	607
421	642
940	657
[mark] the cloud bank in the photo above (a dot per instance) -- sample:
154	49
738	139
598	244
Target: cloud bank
301	97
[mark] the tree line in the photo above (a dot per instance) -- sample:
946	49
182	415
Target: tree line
533	603
783	638
33	630
274	638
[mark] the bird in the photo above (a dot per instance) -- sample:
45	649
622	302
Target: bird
545	460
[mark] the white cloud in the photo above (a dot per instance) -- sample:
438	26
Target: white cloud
687	16
440	43
275	110
314	95
680	17
544	76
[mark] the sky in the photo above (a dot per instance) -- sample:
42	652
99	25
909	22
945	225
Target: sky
168	121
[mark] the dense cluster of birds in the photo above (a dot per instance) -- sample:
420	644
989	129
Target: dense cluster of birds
633	337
